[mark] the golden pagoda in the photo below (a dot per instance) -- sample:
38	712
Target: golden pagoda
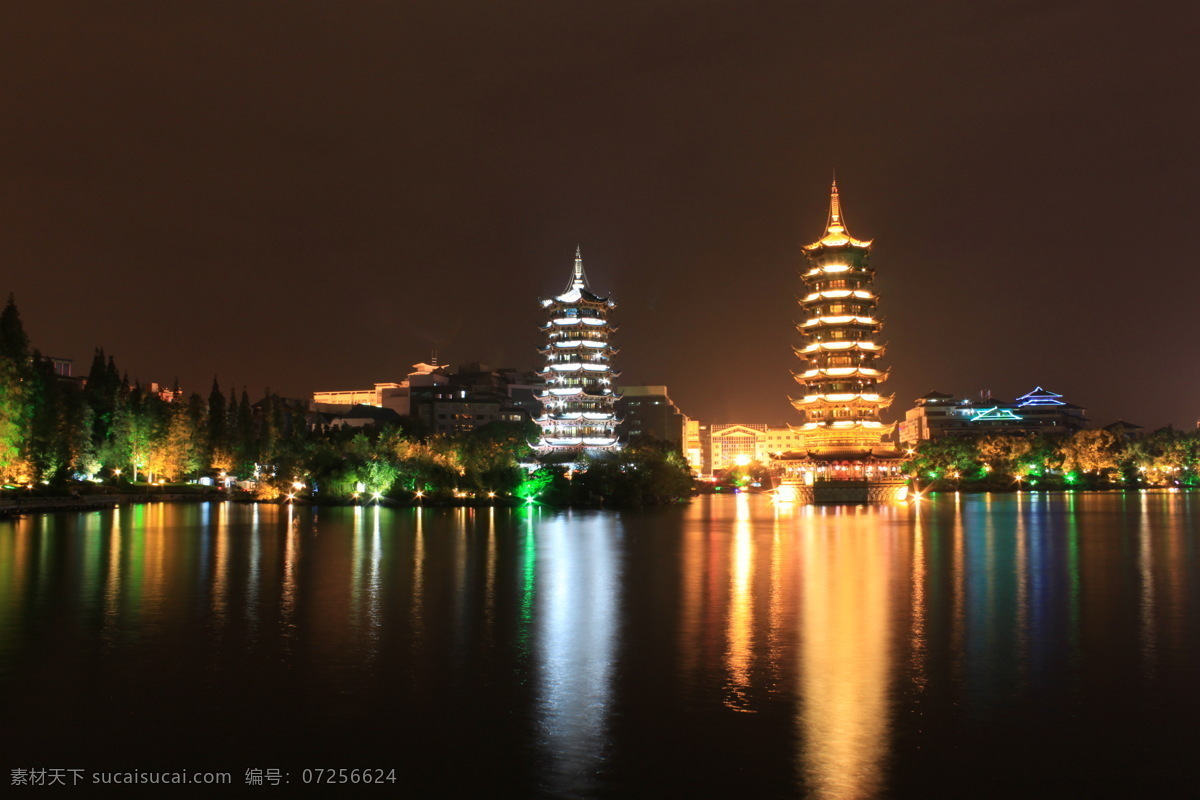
842	456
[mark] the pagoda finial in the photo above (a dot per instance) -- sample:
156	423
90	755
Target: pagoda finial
835	210
835	228
578	277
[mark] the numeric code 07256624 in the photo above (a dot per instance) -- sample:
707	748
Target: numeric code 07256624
348	776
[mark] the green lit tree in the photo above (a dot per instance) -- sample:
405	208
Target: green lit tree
16	398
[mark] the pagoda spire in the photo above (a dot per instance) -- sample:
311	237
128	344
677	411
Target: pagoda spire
835	227
835	211
578	277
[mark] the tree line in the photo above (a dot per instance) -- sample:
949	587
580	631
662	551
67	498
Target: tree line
55	433
1095	458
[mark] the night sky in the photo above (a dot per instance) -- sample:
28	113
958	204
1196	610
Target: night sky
315	195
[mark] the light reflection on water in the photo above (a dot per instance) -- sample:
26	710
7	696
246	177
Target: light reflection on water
736	645
577	607
847	567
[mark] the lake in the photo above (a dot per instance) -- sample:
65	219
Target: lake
1028	645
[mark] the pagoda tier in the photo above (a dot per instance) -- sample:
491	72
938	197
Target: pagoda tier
841	404
578	401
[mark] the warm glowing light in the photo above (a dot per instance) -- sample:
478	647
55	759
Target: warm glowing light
839	320
742	460
786	493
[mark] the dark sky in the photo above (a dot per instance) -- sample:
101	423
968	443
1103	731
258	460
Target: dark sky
314	195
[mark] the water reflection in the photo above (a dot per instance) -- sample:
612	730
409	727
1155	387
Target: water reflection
847	565
577	608
827	652
740	628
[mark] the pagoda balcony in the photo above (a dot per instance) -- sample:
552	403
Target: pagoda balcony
844	397
835	345
569	441
838	320
840	372
838	294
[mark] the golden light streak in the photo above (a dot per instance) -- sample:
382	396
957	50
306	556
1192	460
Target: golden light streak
739	634
845	655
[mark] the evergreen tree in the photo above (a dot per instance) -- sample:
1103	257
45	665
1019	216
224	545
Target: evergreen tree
100	394
47	425
14	343
217	423
15	397
244	445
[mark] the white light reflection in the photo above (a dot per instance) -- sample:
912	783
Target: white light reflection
575	636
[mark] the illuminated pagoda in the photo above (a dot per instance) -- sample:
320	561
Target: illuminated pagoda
578	401
842	456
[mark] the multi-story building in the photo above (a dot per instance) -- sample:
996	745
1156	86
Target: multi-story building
455	409
842	436
693	444
734	444
395	396
1040	411
448	402
578	399
649	411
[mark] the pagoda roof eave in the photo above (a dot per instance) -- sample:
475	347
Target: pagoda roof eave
837	241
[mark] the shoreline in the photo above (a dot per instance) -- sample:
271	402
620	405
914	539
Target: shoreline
15	507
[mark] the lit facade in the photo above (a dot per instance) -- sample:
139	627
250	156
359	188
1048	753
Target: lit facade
1040	411
841	455
395	396
578	399
732	444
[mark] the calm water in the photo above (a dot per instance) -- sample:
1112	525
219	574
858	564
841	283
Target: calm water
1029	646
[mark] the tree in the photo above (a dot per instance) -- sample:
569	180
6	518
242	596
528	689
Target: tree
48	423
1004	454
937	458
16	409
1090	451
175	453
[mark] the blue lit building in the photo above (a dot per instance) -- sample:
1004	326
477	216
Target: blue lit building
1039	411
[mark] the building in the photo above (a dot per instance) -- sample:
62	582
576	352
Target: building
448	402
649	411
518	389
1040	411
394	396
60	366
578	399
733	444
693	444
455	409
361	415
476	395
842	455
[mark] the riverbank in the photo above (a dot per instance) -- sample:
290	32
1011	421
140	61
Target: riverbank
15	506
